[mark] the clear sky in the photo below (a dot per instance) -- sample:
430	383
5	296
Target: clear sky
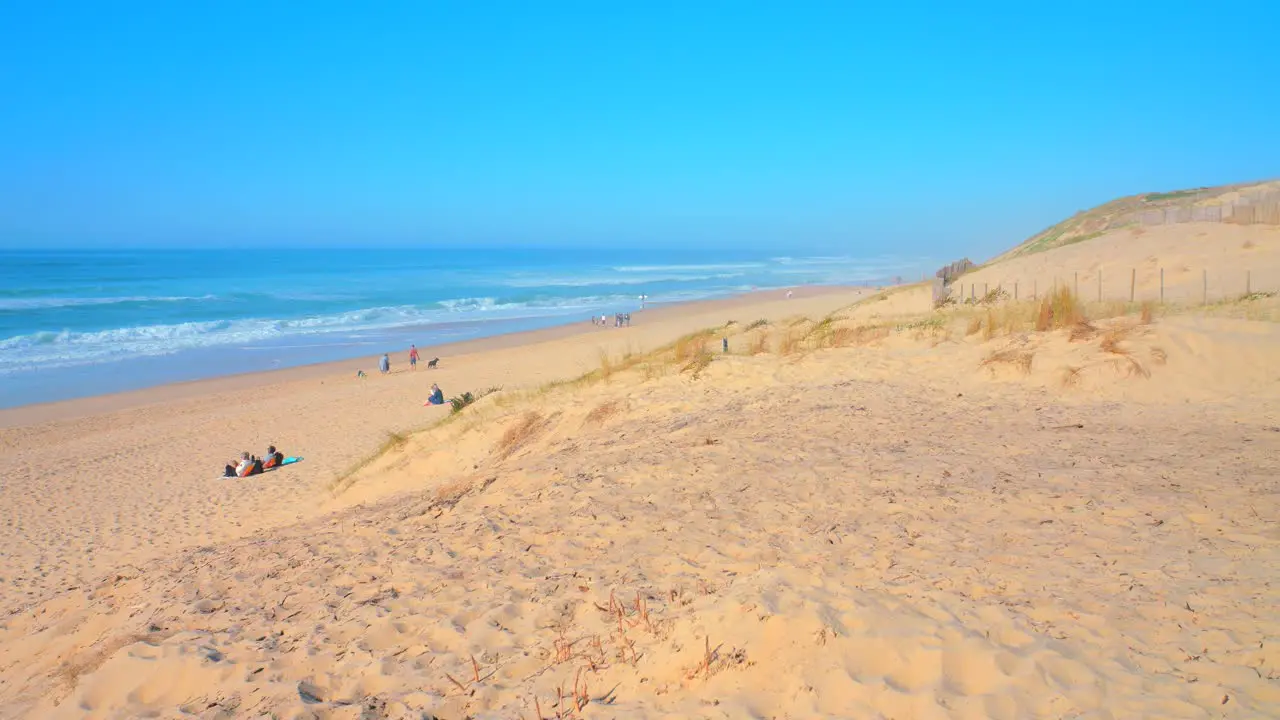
946	128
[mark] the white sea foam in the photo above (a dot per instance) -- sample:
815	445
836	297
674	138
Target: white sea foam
712	267
64	348
608	280
58	302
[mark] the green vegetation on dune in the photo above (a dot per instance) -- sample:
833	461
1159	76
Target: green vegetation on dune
1158	197
1114	215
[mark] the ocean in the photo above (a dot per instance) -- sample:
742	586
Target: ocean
78	323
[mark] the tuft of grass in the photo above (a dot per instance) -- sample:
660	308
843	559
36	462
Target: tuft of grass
519	434
1131	366
791	343
989	326
756	325
864	334
1111	339
394	441
759	344
1082	331
933	322
602	412
819	336
1071	375
843	337
691	346
1059	309
975	324
1147	310
450	493
994	296
1020	359
607	367
698	362
467	398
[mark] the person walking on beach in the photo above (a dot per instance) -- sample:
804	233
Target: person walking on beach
413	357
385	364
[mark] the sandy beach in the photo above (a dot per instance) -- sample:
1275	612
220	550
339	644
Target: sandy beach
866	508
136	473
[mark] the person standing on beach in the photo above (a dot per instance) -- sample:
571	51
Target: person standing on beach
413	357
385	364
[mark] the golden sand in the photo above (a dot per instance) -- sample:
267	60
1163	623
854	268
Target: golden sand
893	513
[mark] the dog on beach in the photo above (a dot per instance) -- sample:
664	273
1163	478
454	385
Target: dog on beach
431	364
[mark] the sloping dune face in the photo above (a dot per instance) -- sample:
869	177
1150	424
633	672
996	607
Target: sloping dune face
887	529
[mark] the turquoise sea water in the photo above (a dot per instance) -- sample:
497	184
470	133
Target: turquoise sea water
83	323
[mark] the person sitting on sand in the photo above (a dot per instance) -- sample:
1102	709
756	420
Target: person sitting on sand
240	468
273	458
437	396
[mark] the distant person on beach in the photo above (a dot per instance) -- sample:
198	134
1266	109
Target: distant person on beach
788	294
385	364
437	396
413	357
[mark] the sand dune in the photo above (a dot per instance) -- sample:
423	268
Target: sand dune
880	530
862	510
1232	258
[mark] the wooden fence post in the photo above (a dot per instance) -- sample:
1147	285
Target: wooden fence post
1133	280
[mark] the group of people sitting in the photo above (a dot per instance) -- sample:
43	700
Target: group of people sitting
250	465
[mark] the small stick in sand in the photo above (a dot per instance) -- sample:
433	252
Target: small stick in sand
475	668
461	687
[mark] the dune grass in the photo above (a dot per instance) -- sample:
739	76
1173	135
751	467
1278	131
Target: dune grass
602	412
520	434
393	441
1020	359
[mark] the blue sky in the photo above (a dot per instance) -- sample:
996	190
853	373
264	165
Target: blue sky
943	128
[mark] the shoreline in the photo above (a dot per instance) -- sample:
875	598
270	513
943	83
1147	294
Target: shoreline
138	475
87	405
